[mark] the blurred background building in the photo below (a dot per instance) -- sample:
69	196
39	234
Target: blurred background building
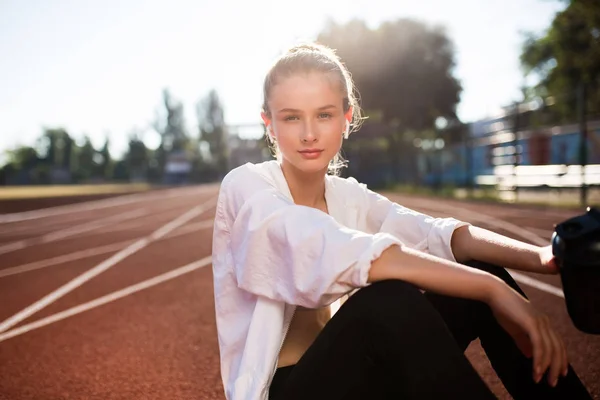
414	77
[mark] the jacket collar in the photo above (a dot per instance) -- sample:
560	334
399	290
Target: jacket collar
337	203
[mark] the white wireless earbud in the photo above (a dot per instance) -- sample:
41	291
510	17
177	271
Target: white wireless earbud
347	131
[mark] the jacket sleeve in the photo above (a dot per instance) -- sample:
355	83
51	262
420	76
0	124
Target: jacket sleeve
295	254
416	230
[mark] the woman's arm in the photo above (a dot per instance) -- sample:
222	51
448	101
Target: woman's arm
449	238
530	329
433	273
474	243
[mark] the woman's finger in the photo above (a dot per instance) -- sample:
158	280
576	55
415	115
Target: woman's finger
546	355
565	371
564	368
547	358
557	357
538	349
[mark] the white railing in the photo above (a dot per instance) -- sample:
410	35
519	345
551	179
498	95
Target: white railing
528	176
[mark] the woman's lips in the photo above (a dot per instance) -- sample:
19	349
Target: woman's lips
310	153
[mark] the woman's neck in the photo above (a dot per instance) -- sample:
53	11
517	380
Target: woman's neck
307	189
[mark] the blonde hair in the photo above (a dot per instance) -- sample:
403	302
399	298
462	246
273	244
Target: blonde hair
310	57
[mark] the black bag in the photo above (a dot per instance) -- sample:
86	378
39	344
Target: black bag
576	247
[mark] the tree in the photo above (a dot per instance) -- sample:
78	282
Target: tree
56	150
22	166
136	159
403	70
85	166
105	161
171	124
56	147
565	57
6	173
212	129
23	157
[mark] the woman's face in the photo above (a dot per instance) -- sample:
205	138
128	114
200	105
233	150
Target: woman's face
307	120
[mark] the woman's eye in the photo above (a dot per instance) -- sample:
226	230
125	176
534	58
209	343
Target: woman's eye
324	115
291	118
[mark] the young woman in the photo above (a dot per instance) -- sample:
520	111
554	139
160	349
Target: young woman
291	239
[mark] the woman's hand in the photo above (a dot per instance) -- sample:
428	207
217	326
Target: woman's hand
531	331
547	260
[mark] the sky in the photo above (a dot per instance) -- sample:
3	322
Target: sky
98	68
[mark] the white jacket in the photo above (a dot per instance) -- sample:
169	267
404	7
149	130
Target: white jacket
270	255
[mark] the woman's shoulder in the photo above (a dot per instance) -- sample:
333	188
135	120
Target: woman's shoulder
348	185
354	192
249	173
248	180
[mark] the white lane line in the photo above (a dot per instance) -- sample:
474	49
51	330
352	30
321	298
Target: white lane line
36	226
544	233
105	265
509	227
541	233
100	204
140	224
536	235
71	231
489	220
106	299
95	251
517	230
192	228
77	255
534	283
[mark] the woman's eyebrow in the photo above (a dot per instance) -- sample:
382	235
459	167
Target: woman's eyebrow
293	110
327	107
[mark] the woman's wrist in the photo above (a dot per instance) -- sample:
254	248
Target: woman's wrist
496	288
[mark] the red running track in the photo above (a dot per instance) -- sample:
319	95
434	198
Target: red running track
123	290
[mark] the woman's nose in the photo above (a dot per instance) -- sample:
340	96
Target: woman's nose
309	134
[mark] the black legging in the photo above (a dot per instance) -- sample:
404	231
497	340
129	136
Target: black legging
390	341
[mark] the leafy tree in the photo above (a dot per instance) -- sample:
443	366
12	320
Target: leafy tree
137	158
56	147
121	172
6	172
55	151
23	157
566	57
105	161
403	70
84	165
211	125
170	125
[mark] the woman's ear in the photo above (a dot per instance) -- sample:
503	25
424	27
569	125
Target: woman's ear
265	118
267	122
348	116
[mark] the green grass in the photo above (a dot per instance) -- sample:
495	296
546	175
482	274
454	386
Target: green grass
445	191
31	192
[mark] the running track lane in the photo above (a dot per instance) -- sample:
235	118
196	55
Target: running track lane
145	327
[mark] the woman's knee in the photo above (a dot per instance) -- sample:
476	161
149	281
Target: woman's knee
391	290
389	300
487	267
498	271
